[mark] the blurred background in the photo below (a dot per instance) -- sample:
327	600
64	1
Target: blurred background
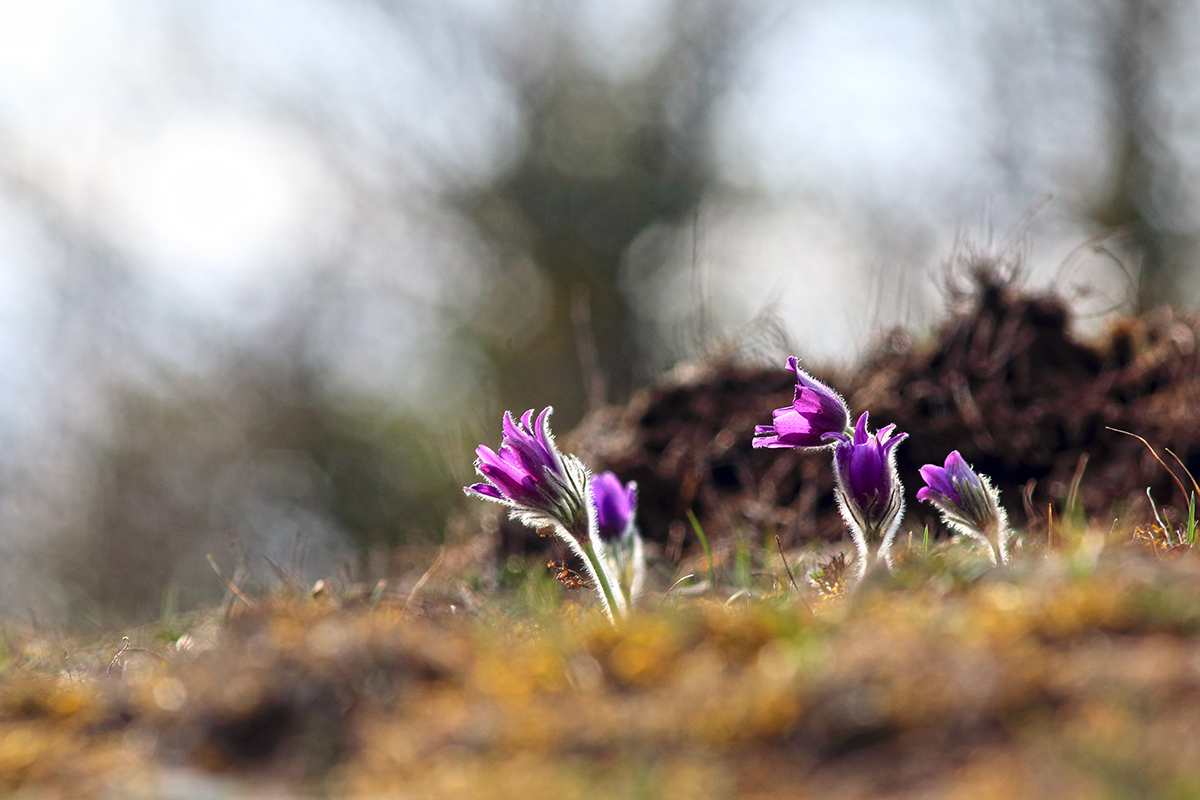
270	269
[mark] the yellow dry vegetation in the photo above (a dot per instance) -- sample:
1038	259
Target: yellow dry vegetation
1060	678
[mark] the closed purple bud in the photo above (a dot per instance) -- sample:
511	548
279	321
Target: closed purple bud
815	412
967	502
615	506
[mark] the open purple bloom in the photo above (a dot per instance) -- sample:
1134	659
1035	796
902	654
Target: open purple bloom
615	506
967	501
869	492
815	412
530	476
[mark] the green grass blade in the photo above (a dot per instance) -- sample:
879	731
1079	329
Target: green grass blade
712	572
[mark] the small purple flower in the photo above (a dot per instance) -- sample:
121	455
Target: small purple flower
944	482
967	502
615	506
816	411
869	492
530	476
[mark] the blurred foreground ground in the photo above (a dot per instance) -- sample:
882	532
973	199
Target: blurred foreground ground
1075	675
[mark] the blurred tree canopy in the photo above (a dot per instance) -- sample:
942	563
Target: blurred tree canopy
1139	52
604	160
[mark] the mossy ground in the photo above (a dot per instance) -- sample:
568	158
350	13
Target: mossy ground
1074	673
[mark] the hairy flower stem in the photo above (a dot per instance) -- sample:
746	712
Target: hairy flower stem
882	554
595	565
614	602
996	536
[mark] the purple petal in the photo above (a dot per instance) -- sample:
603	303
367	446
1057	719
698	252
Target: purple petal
527	448
485	489
542	430
860	430
765	440
959	472
935	477
512	480
892	442
797	429
942	480
615	505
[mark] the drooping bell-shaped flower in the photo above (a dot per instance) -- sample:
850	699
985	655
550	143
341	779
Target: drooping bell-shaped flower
869	492
815	412
616	507
968	503
541	486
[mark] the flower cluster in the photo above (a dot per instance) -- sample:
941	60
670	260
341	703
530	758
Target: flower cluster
869	493
815	412
595	515
543	487
528	474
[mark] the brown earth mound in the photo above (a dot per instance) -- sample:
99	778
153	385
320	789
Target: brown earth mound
1002	380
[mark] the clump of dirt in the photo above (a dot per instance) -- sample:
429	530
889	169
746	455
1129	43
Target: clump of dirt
1002	380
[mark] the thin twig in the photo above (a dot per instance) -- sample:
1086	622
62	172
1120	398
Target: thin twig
1187	471
1157	518
1154	453
1076	480
1049	526
437	562
1027	498
791	575
125	648
676	583
228	583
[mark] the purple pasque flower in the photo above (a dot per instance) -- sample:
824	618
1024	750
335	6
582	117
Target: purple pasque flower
869	492
615	506
815	412
528	474
967	502
541	486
